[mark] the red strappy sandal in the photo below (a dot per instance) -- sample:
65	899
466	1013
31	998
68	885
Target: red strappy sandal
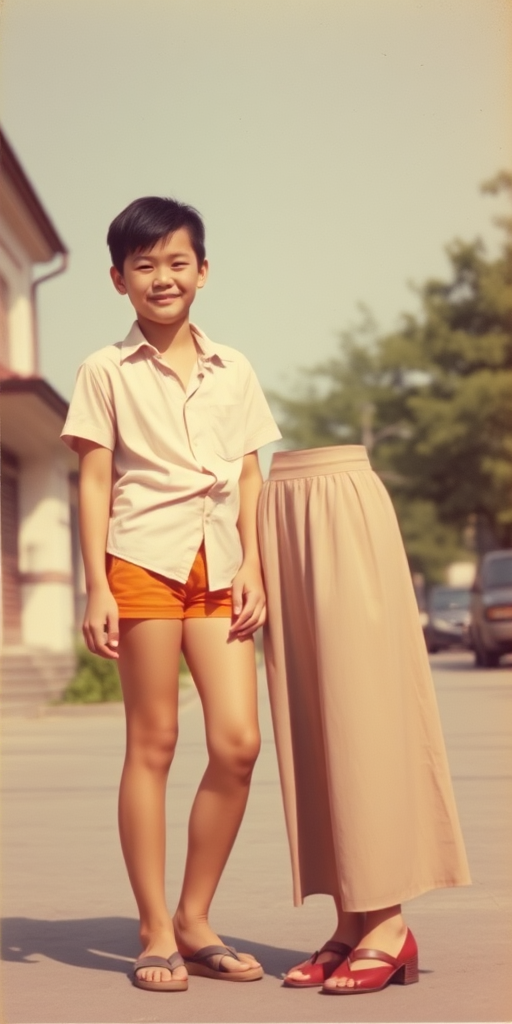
316	973
402	970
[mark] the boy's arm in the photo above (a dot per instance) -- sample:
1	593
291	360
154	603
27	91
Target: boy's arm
101	621
248	591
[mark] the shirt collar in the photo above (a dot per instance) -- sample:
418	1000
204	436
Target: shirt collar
208	352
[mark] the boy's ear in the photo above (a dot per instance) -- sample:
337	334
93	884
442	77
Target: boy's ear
203	274
118	282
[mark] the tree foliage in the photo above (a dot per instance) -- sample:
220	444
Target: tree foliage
432	402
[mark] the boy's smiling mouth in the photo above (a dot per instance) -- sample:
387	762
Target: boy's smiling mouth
164	298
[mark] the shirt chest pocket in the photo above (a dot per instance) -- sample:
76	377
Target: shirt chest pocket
226	428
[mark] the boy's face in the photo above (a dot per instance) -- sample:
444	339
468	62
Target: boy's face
162	282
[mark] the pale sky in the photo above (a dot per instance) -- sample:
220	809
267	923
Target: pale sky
334	147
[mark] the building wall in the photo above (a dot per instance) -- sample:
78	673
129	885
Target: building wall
16	273
38	557
11	590
45	554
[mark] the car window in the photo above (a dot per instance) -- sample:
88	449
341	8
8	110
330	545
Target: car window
450	597
497	572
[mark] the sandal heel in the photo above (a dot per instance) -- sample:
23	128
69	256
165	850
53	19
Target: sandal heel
408	974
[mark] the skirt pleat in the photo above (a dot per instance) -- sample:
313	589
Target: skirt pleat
367	793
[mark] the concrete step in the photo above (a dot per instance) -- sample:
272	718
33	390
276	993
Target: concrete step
30	678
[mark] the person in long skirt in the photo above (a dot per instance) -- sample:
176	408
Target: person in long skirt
368	800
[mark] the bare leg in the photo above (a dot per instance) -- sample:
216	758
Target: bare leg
225	675
149	663
383	929
349	927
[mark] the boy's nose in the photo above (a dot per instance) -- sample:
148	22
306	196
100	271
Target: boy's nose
162	275
162	278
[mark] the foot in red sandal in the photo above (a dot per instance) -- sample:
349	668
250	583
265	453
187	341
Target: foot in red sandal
315	972
402	969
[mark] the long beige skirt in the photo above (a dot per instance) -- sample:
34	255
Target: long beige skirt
368	799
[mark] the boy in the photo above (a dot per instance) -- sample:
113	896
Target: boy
167	427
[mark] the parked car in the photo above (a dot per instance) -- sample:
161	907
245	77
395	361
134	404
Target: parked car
448	618
490	626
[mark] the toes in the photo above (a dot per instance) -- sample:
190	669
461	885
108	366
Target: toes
158	976
334	983
180	974
153	975
228	963
245	963
235	966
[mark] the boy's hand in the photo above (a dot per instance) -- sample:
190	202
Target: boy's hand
248	603
101	623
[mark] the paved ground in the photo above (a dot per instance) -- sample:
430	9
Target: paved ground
70	931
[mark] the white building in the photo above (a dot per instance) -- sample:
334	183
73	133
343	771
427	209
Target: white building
41	568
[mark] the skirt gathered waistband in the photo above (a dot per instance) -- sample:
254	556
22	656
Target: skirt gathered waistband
305	462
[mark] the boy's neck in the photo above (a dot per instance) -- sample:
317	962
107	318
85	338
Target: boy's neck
162	336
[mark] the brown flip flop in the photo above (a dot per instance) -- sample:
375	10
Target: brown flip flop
199	965
173	985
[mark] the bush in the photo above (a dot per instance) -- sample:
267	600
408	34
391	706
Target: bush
96	680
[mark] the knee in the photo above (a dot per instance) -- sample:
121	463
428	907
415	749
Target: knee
237	753
153	746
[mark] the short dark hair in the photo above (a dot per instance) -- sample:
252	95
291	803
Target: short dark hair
145	221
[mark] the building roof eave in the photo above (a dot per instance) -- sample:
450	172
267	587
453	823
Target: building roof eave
33	415
36	386
13	170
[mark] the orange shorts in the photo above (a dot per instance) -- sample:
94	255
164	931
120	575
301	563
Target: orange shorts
143	594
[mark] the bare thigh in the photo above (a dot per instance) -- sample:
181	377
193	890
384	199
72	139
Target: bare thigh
225	675
149	653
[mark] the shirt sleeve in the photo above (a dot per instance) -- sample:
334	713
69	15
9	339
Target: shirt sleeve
260	426
91	412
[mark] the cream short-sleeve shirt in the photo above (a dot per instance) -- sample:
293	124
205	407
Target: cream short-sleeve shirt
177	455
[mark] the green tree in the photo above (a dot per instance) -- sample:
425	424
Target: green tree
432	402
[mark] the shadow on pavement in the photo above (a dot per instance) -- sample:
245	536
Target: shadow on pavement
110	944
104	943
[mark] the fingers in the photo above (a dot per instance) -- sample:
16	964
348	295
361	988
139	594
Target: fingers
101	633
113	630
250	617
237	597
97	640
